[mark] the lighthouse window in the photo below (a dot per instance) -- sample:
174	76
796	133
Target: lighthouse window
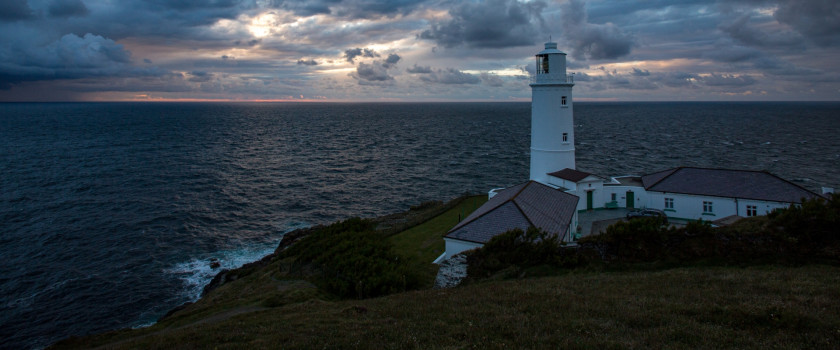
563	100
565	137
542	64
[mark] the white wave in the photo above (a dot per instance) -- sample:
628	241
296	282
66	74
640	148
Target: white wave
198	272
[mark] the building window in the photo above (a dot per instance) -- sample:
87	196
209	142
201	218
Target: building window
707	207
565	137
669	203
612	197
563	100
752	210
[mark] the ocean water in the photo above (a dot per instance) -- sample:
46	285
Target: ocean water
110	212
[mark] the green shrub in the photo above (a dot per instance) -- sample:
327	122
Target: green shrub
815	221
516	250
350	259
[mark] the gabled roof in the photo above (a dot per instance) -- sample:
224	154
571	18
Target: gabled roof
521	206
571	174
744	184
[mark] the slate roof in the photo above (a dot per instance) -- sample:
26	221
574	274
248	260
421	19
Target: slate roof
744	184
521	206
570	174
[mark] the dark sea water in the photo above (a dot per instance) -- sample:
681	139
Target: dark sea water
109	212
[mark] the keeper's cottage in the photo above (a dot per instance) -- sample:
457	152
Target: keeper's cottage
557	191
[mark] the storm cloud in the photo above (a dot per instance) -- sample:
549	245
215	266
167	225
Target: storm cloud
589	40
69	57
492	24
351	54
450	76
357	49
12	10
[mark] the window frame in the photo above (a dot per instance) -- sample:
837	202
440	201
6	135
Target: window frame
708	207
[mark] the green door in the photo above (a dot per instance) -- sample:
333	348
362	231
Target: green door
589	200
631	200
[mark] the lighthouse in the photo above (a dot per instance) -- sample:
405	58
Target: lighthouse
552	124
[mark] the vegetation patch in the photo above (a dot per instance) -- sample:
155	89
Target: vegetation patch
350	259
804	233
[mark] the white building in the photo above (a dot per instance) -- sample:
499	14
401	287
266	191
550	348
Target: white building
558	191
531	204
552	122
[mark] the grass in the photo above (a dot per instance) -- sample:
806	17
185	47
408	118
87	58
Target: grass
718	307
423	243
645	304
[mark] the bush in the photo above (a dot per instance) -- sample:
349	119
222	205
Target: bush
519	250
351	260
640	239
814	222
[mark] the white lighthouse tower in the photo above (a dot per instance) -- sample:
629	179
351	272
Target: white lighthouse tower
552	125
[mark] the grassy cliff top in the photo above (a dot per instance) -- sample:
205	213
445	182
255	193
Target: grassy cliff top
753	307
662	288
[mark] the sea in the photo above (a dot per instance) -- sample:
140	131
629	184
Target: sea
110	213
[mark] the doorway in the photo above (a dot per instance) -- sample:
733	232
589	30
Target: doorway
631	200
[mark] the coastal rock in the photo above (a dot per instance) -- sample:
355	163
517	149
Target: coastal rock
451	272
225	275
174	310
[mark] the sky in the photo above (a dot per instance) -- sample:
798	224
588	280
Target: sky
416	50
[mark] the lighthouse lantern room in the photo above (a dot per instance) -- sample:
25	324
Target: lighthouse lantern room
552	123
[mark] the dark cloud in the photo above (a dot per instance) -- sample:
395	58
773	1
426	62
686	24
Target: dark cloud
818	20
391	60
13	10
68	8
252	42
731	53
491	24
198	4
450	76
309	62
70	57
419	69
372	74
355	9
740	30
178	16
200	77
729	80
678	79
491	80
589	40
351	54
640	72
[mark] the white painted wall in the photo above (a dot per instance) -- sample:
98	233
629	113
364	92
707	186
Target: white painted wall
549	120
639	193
551	117
556	181
595	186
455	246
688	206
